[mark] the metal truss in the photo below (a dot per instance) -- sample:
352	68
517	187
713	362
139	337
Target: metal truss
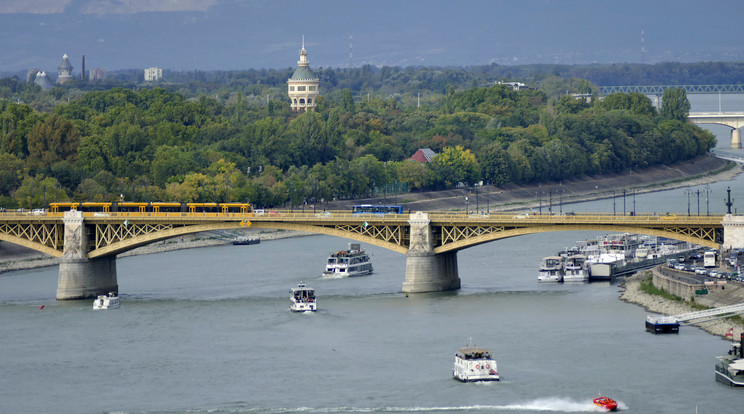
48	234
659	89
455	233
106	234
391	233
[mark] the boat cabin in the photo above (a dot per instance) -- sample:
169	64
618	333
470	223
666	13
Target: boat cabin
473	353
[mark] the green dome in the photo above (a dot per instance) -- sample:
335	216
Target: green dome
303	73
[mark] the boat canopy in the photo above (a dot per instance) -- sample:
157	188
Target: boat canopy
737	365
474	353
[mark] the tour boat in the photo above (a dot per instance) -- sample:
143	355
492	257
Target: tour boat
475	364
606	402
730	368
302	299
551	269
110	301
352	262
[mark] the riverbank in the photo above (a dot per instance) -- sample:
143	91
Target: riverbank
734	293
700	171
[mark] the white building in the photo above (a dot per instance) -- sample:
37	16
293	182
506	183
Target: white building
153	74
303	85
64	70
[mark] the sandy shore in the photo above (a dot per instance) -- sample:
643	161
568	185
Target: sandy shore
632	293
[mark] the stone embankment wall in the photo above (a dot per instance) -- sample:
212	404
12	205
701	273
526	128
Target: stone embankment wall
732	294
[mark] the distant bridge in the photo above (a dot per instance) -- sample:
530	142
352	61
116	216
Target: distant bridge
659	89
87	243
733	120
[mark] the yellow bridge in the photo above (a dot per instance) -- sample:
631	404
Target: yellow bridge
88	242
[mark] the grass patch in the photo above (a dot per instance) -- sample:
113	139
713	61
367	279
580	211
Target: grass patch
647	286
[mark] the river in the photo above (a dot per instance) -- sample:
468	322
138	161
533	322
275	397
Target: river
209	331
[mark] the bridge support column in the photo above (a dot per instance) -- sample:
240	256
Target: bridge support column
425	270
736	138
80	277
733	232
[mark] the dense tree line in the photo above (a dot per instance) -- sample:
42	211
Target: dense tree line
161	144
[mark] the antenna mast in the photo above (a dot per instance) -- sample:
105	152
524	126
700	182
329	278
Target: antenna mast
643	45
351	55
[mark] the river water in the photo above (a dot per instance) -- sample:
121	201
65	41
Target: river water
209	330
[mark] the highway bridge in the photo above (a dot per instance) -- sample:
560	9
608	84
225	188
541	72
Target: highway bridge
87	243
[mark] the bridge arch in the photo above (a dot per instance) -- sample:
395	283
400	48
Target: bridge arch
31	244
735	121
523	231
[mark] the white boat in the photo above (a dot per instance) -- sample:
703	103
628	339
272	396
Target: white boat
551	269
302	299
730	368
352	262
475	364
575	269
110	301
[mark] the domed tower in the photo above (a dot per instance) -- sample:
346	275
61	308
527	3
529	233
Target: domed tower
303	85
64	70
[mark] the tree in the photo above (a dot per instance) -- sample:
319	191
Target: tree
496	164
52	140
674	105
456	165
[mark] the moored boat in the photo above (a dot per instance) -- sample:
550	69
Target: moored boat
244	240
606	402
551	269
662	324
475	364
351	262
302	299
110	301
730	368
575	268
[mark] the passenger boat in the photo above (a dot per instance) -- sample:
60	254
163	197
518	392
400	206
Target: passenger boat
302	299
110	301
551	269
352	262
606	402
730	368
475	364
575	269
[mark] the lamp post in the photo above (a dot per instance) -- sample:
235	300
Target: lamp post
688	192
466	205
707	205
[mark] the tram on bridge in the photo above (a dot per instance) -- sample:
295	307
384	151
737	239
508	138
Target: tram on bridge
151	207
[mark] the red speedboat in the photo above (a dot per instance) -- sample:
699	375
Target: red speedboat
606	402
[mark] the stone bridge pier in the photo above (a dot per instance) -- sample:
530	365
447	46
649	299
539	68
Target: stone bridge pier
425	270
80	277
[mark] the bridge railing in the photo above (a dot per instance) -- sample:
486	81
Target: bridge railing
434	216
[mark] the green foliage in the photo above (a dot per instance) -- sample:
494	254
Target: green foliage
674	105
231	135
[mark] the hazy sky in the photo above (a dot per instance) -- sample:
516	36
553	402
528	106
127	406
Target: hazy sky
245	34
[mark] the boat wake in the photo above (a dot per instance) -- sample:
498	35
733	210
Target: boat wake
550	404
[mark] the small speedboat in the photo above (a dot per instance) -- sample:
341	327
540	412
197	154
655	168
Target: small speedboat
110	301
606	402
302	299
